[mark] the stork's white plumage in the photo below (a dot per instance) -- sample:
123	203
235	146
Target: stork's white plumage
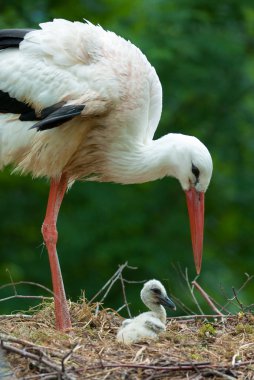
78	102
150	324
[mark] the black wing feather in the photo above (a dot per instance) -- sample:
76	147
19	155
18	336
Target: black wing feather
12	37
50	117
58	117
30	115
12	105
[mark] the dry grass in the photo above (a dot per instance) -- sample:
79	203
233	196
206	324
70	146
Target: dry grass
191	348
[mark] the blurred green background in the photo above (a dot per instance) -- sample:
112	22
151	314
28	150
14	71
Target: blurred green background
203	52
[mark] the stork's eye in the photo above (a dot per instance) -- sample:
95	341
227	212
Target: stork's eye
195	171
156	290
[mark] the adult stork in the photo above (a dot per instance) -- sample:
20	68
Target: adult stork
78	102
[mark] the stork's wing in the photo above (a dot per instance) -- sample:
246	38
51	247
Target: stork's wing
126	322
11	38
155	326
49	74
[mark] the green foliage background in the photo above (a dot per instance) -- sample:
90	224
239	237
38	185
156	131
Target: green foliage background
203	52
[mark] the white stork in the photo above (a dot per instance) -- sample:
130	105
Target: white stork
150	324
78	102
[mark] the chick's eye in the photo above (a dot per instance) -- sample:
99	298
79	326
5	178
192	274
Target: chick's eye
195	171
157	291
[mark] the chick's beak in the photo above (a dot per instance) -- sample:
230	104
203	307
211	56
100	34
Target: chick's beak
195	204
166	301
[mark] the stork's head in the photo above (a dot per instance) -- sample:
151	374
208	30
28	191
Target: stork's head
154	293
193	168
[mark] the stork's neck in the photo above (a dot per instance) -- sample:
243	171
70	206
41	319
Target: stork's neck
158	310
145	162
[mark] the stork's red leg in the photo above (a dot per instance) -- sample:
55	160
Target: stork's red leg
49	232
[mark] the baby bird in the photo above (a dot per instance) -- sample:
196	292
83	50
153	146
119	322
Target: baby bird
149	324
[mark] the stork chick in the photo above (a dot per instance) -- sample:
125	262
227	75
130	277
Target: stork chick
147	325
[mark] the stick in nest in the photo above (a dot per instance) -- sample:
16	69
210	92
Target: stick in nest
206	297
108	286
17	295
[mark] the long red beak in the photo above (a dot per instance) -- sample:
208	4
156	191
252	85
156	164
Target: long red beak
196	207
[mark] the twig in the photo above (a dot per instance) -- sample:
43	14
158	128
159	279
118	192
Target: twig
109	283
191	290
207	298
8	338
200	316
18	315
249	307
179	271
233	362
219	306
249	278
218	374
124	295
30	355
133	282
24	297
181	305
67	356
121	308
44	376
41	357
237	299
27	283
109	288
12	282
21	296
174	367
223	292
23	342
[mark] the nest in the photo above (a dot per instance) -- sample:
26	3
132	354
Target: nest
193	347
